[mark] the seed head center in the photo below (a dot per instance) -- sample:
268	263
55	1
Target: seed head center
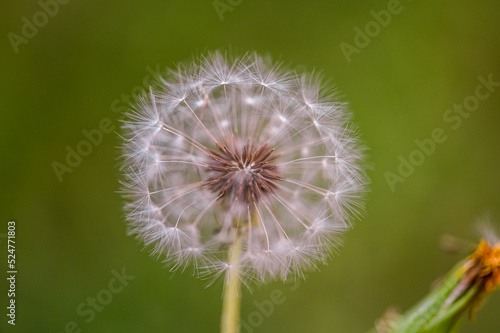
243	174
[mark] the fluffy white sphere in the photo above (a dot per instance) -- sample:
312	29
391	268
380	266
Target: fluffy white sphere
228	149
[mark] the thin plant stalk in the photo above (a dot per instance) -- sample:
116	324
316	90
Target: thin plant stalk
231	298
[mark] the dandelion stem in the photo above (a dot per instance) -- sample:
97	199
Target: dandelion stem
231	302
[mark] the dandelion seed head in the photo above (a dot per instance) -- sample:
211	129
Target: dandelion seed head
226	148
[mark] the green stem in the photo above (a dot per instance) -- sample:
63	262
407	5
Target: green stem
230	319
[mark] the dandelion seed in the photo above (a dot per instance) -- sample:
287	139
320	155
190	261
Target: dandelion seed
227	151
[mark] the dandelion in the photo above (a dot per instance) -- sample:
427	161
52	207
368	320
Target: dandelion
238	168
462	291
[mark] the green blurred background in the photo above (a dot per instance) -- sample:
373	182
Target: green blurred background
71	234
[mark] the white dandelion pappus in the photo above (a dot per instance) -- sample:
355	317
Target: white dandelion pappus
239	149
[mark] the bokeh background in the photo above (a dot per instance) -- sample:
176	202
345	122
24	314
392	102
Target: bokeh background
71	234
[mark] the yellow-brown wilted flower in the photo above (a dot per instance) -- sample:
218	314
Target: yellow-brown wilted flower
461	292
